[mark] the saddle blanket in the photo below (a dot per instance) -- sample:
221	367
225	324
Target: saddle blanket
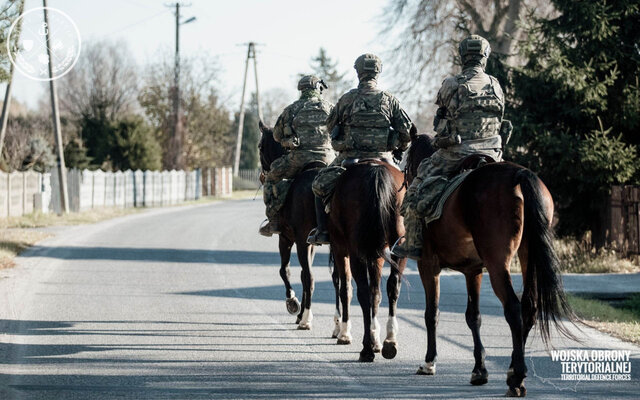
440	193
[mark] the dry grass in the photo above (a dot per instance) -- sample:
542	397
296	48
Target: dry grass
19	233
14	241
578	256
40	220
623	322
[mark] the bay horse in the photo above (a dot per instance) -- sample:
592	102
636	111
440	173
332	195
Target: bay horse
499	211
298	217
364	221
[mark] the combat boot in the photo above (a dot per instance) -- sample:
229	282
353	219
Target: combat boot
272	227
406	251
319	235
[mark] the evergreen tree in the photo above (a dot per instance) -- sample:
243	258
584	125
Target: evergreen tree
324	67
576	105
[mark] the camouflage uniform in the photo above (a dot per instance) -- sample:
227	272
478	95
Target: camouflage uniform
301	129
366	123
468	121
373	125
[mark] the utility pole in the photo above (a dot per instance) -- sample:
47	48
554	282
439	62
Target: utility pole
7	96
251	53
62	169
175	149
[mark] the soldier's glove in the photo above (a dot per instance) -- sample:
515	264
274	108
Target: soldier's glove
262	177
506	128
397	155
440	115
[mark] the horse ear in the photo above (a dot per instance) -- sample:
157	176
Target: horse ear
413	132
262	126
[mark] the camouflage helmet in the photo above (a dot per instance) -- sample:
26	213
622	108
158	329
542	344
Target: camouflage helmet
308	82
474	46
368	65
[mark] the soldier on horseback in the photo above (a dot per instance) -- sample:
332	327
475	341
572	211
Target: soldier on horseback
366	123
301	129
468	121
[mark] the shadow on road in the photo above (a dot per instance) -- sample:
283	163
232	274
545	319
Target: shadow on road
196	256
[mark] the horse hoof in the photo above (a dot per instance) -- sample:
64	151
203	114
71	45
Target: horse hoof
427	369
389	350
304	327
344	340
516	392
293	305
366	356
479	377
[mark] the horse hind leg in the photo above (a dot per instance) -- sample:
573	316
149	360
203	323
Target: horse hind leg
390	346
292	302
431	282
503	288
375	275
479	375
305	256
360	275
344	272
335	278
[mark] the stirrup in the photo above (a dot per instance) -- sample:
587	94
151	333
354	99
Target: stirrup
266	229
399	251
317	238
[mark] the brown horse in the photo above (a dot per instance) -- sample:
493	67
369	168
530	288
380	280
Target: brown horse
363	222
298	218
500	210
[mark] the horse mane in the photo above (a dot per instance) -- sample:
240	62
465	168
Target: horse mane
270	150
421	148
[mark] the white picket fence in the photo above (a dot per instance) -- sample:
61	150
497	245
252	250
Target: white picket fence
24	192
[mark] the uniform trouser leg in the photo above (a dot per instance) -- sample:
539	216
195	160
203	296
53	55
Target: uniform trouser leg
320	235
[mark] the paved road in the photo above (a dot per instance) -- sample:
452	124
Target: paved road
187	303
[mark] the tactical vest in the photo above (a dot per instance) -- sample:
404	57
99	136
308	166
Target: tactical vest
367	122
480	109
309	124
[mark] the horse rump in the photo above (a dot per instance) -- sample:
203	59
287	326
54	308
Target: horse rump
377	210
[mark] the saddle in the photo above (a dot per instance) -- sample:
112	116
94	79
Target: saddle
438	191
471	162
312	165
349	162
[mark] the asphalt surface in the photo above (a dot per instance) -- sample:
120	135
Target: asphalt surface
187	303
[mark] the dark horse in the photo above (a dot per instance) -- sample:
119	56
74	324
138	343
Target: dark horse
298	217
363	222
500	210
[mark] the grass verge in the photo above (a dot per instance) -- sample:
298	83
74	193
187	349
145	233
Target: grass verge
621	320
579	257
14	241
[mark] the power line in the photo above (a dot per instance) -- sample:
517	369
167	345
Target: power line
138	22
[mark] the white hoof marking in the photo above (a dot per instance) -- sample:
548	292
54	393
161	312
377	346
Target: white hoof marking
428	368
392	329
345	331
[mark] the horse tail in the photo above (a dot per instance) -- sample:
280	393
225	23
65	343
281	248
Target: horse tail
543	282
378	216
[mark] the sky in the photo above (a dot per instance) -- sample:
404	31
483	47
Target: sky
290	33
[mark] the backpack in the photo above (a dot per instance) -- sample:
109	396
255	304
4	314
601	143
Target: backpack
480	108
309	124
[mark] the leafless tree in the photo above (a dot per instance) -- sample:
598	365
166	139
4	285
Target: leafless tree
103	83
206	123
424	35
273	102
